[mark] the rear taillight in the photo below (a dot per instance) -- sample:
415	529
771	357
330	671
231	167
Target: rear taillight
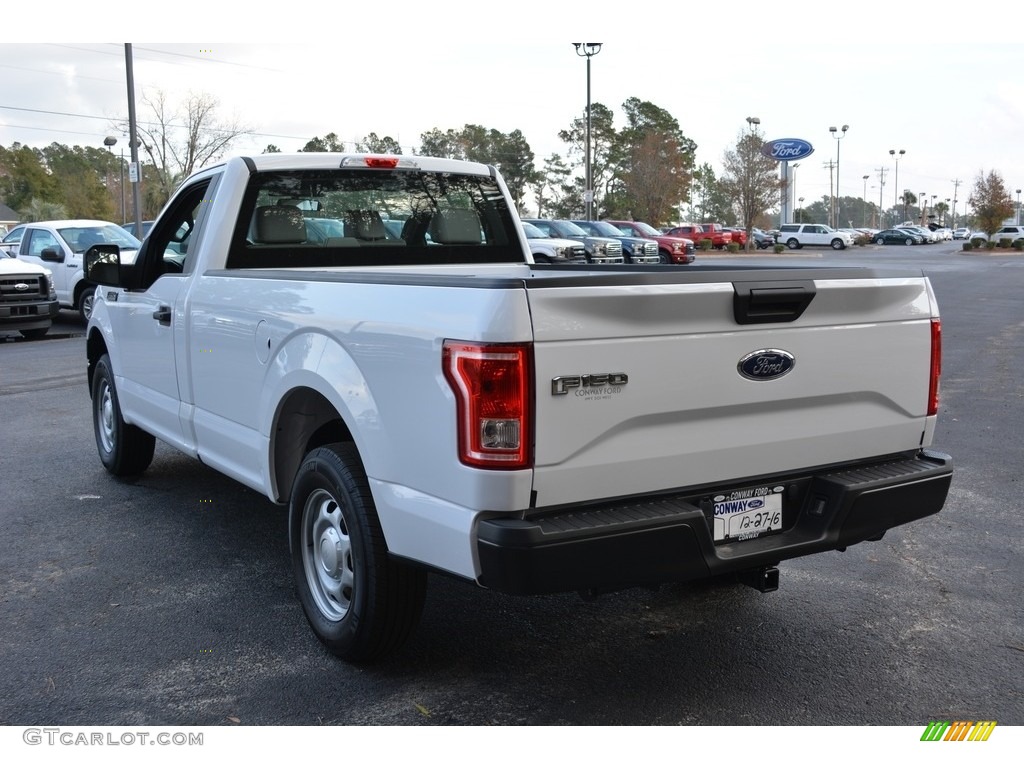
494	395
936	368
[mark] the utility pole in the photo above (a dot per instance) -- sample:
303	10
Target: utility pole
881	189
831	198
956	185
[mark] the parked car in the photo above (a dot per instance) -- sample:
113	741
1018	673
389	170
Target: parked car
927	235
697	232
799	235
961	233
671	248
553	250
761	238
636	250
64	243
1011	233
28	301
901	236
600	250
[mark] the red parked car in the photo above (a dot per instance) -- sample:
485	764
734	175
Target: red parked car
672	248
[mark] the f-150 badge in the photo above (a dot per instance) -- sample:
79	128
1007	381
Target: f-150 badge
562	385
766	364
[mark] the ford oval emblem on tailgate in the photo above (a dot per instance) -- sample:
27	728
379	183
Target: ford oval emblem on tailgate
766	364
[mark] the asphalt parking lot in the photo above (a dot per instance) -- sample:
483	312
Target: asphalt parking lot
168	600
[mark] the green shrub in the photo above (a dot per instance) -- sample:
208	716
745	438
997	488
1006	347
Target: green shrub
990	245
779	248
978	242
1018	244
968	245
1005	242
733	247
706	244
861	240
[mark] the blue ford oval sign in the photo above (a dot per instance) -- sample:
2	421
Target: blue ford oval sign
766	364
787	149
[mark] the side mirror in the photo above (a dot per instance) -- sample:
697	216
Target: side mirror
52	254
103	264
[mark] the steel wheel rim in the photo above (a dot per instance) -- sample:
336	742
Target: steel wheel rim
327	555
87	305
105	416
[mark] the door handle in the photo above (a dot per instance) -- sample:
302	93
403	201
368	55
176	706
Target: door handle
163	314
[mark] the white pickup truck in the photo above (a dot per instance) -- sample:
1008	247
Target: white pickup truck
435	401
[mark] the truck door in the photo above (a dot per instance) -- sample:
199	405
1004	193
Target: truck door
150	323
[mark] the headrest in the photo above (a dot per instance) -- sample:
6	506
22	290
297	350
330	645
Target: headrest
279	224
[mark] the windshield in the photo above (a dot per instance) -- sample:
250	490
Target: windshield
80	239
647	229
606	229
532	232
568	228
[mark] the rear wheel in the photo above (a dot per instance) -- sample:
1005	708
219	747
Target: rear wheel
124	449
792	243
361	603
909	241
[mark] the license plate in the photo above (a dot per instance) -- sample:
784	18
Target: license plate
747	513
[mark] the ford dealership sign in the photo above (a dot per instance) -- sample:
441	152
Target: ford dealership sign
785	150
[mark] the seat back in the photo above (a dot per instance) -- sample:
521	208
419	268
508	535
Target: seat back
456	226
366	226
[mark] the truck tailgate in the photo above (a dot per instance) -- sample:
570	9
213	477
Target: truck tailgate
639	387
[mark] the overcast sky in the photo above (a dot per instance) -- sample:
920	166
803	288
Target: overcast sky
952	99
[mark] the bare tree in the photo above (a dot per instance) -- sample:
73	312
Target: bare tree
180	139
751	180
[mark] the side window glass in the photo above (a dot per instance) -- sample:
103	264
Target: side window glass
40	239
171	244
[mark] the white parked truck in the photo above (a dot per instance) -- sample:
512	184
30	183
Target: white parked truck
433	400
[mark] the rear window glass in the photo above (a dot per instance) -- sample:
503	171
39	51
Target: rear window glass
369	217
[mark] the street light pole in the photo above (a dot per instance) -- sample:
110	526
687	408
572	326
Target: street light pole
832	130
799	216
1018	207
896	184
588	50
924	207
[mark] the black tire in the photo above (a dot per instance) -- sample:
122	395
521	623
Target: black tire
34	333
838	245
361	603
664	257
792	243
879	241
124	449
85	301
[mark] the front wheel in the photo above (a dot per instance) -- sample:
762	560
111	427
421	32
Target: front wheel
838	245
361	603
124	449
879	241
792	243
85	302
